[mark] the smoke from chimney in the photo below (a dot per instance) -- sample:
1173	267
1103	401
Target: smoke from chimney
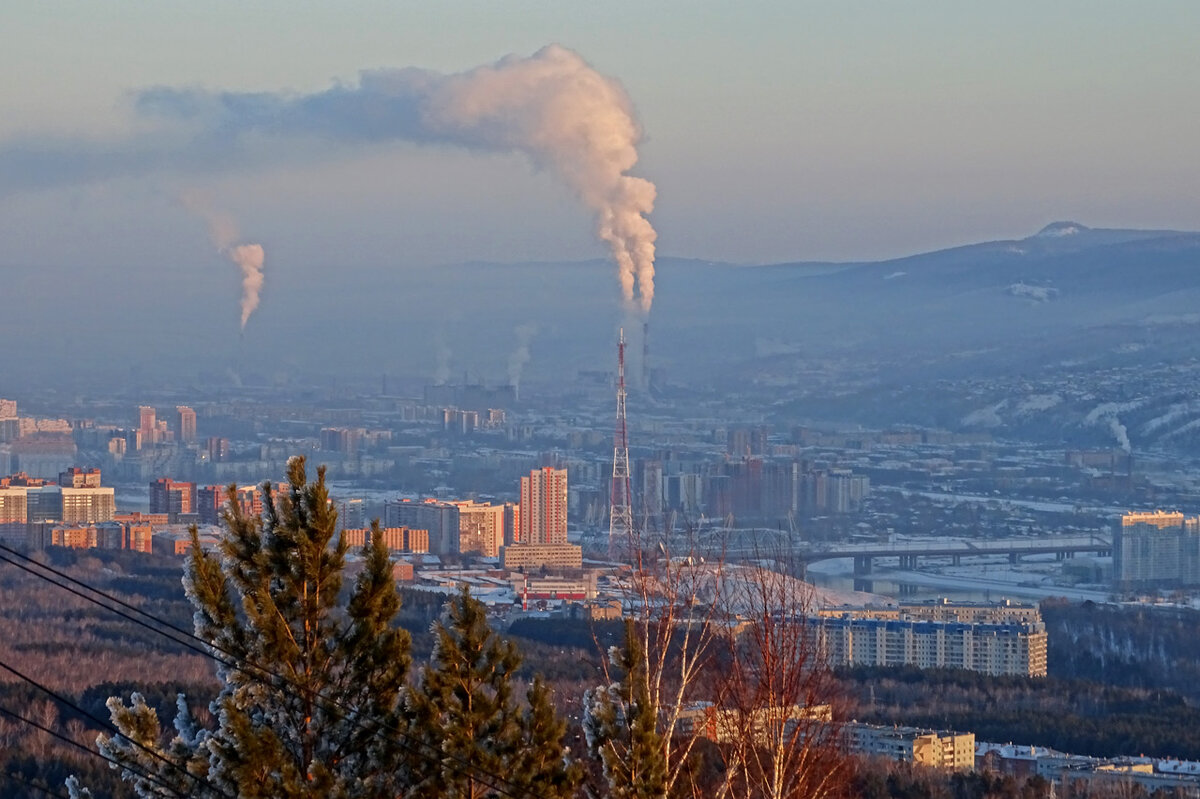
560	112
1107	414
441	372
248	258
1120	433
520	356
552	107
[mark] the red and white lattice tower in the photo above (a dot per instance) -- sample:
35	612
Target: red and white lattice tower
620	509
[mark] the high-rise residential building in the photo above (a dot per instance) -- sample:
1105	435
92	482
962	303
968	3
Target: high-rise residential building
8	409
54	503
185	424
218	449
43	454
1156	550
172	497
14	513
147	425
441	519
480	528
352	514
544	507
347	440
13	506
512	523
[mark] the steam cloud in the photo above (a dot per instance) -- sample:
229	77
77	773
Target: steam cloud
246	257
441	372
520	356
1121	434
552	107
1106	413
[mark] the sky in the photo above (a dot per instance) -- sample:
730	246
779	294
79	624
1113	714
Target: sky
774	131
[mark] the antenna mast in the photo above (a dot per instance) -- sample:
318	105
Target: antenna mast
620	510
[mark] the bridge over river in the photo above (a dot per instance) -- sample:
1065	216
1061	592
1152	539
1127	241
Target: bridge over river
908	554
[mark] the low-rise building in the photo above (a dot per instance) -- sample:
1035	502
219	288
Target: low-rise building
396	539
939	749
724	725
536	556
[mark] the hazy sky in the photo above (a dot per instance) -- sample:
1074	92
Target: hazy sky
773	130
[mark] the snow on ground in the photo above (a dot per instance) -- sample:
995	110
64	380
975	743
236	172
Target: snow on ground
1031	504
985	417
1035	403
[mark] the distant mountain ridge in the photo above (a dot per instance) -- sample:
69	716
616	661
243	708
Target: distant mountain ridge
1066	291
1056	237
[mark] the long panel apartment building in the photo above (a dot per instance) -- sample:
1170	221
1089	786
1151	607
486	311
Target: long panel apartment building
1017	648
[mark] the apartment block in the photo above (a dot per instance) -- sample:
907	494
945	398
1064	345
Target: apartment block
440	519
535	556
1156	550
945	750
996	649
396	539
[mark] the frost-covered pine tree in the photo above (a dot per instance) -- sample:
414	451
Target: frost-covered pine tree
621	725
464	705
314	705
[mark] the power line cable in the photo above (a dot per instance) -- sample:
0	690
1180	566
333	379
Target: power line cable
459	765
110	727
72	742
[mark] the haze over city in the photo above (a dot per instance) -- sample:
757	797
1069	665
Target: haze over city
558	400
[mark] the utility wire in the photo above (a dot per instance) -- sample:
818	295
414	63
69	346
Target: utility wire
110	727
420	749
72	742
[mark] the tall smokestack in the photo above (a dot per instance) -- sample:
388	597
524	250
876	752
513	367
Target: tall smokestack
248	258
646	356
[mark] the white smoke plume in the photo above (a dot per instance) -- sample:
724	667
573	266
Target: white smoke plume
248	258
441	372
520	356
559	111
1119	431
552	107
1106	413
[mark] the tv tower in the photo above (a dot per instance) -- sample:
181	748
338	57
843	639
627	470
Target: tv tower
620	509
